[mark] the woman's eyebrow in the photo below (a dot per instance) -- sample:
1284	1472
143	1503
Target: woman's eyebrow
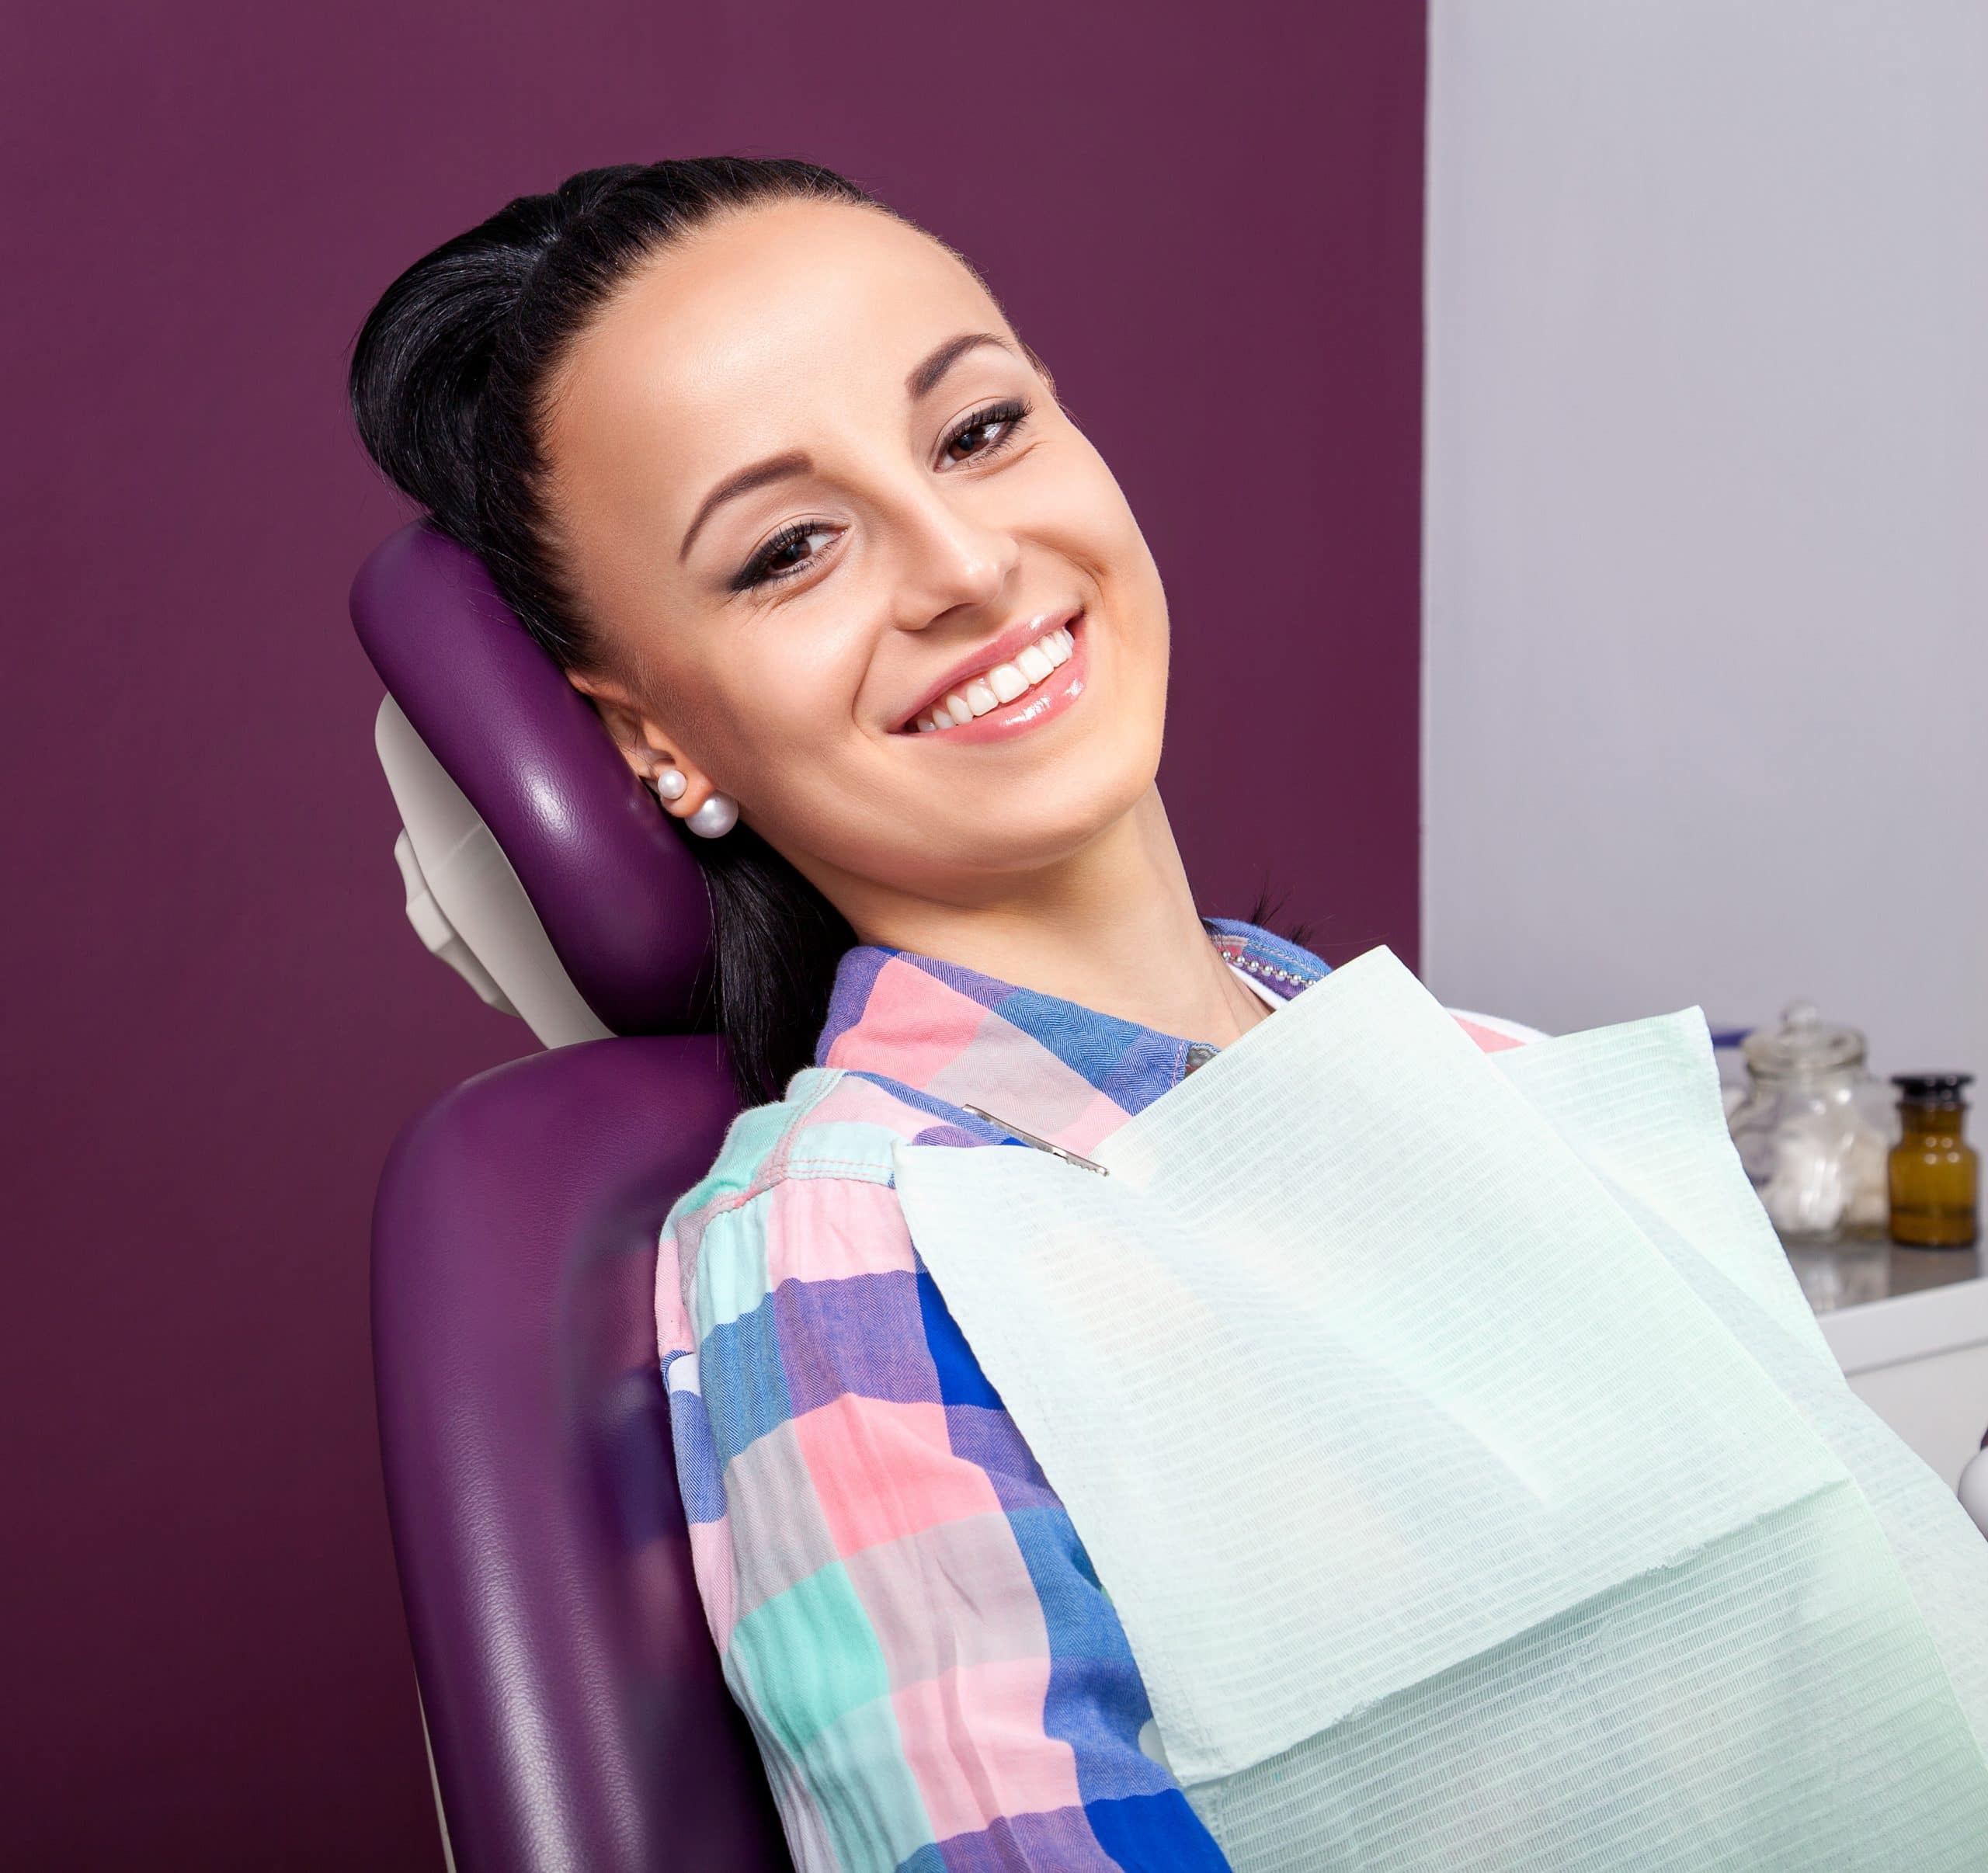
774	468
923	379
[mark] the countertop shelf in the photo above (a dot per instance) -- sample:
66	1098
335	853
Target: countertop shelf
1880	1303
1844	1273
1909	1329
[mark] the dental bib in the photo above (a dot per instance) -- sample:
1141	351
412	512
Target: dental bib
1465	1465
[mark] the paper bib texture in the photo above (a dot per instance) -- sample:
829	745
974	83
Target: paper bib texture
1468	1471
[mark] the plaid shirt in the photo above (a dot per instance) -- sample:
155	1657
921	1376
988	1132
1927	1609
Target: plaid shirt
933	1670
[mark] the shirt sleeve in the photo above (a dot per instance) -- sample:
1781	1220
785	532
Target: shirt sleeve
933	1673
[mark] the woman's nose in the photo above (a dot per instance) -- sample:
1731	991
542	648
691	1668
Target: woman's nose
951	558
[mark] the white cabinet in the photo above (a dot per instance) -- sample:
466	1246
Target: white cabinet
1918	1359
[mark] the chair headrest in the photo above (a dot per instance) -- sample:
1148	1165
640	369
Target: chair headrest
620	897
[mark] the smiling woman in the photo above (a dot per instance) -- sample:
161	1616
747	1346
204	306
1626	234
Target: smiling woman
767	469
769	473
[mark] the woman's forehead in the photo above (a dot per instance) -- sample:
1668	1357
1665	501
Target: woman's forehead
724	339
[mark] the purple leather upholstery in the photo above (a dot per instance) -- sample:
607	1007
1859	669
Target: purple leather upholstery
571	1689
613	882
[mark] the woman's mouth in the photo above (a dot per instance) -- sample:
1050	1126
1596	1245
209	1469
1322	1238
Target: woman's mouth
1041	681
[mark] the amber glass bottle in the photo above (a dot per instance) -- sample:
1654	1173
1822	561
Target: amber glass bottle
1935	1173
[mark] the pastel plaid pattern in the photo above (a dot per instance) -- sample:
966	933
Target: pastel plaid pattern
931	1668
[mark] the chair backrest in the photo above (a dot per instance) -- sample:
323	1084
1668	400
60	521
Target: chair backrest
575	1711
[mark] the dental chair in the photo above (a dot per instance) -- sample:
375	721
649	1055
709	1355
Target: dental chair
570	1690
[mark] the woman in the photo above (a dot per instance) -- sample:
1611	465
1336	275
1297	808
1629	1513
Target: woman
768	471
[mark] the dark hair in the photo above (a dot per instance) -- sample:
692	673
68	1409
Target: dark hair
447	381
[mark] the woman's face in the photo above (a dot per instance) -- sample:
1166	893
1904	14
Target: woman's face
799	494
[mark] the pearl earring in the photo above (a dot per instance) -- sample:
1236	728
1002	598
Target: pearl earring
716	817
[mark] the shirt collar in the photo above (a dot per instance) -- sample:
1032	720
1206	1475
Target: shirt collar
946	1036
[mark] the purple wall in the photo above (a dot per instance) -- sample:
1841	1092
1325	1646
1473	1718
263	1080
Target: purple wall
1210	223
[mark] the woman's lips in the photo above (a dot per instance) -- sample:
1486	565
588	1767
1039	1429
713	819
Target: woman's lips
1011	645
1050	697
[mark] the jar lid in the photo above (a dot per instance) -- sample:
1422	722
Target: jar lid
1804	1043
1932	1088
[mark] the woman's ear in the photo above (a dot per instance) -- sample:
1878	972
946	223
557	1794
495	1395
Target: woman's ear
645	744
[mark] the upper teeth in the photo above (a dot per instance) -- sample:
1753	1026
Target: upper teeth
1001	684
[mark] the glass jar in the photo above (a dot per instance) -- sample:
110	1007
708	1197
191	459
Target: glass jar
1814	1129
1935	1173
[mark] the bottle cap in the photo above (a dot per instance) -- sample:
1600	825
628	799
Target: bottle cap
1932	1088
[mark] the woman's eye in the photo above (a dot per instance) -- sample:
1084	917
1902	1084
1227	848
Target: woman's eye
772	563
1008	417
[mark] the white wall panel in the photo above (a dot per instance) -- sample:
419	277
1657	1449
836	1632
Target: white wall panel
1706	559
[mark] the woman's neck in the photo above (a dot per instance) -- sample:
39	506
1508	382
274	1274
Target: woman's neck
1114	928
